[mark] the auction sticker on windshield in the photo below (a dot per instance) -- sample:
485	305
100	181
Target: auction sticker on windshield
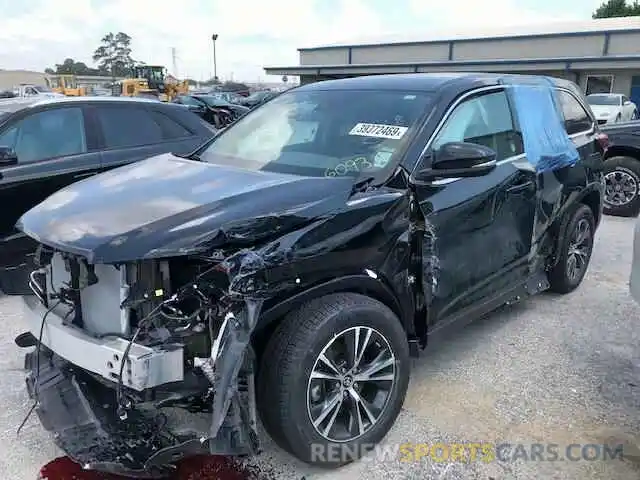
393	132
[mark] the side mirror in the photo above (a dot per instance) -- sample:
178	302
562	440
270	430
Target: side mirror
8	156
459	159
627	102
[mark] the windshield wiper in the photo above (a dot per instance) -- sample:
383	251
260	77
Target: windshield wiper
188	156
362	185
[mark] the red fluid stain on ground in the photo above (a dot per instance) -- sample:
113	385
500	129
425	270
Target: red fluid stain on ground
195	468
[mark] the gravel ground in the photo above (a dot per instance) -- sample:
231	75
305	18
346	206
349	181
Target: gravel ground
553	369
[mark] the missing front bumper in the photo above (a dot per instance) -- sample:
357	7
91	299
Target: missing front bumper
77	401
146	367
81	413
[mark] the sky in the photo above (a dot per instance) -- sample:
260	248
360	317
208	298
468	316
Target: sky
37	34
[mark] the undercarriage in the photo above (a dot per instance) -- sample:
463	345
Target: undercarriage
141	364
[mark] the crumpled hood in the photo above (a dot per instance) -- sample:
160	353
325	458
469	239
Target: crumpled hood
604	111
169	206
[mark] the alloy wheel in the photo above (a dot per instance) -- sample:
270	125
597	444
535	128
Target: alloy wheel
620	188
579	250
350	384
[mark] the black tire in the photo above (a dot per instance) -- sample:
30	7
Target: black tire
292	353
615	169
618	118
560	278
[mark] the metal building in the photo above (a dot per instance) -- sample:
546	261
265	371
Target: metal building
600	55
9	79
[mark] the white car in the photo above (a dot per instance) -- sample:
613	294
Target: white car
612	107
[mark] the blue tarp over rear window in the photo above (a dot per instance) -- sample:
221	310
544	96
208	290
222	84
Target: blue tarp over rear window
546	143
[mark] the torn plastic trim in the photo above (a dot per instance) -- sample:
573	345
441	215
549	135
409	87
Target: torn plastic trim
233	425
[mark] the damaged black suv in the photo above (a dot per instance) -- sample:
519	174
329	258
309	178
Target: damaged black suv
291	266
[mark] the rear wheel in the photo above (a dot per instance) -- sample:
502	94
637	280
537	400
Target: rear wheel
574	254
622	186
333	378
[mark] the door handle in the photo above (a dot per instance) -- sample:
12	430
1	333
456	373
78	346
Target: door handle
520	187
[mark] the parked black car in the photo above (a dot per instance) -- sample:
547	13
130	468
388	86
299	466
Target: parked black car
258	98
48	144
314	245
622	169
217	112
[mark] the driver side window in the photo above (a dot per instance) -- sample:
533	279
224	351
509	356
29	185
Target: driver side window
484	120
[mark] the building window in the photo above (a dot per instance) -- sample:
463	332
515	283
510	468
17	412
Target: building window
599	84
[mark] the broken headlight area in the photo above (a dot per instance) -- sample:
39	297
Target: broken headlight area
141	364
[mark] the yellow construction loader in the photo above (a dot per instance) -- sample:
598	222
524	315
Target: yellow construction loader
66	85
167	86
136	87
174	87
152	80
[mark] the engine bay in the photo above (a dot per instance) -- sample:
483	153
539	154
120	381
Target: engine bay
142	342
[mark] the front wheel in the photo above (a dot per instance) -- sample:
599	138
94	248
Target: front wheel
333	378
574	253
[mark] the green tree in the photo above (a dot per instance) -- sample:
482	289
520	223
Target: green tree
235	87
617	8
114	54
71	67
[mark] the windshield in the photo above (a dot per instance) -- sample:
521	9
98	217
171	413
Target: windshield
212	101
603	99
322	133
42	89
257	96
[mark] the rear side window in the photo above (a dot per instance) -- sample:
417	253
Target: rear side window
576	118
128	127
170	128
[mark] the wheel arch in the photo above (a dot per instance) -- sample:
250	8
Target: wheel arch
590	197
593	199
361	283
622	151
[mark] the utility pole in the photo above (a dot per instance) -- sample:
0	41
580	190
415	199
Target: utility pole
175	62
214	37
